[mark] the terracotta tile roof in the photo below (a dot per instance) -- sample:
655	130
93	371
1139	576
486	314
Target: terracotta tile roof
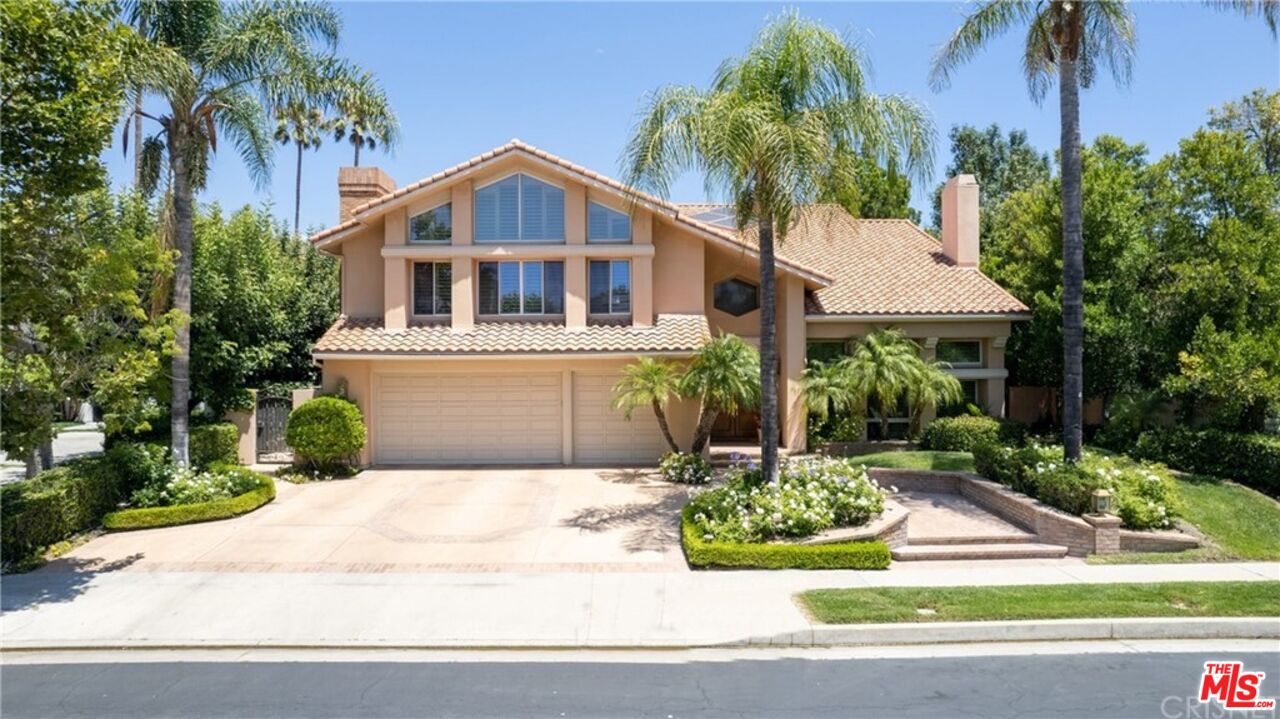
677	213
883	267
670	333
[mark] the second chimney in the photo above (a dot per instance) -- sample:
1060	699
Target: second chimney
960	220
358	185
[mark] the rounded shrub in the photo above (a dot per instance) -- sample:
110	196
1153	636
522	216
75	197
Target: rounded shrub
326	431
960	434
214	444
685	468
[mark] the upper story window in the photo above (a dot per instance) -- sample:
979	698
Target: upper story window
521	288
610	287
519	208
434	225
960	353
607	225
736	297
432	288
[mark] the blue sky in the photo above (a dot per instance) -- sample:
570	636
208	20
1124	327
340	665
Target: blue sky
568	78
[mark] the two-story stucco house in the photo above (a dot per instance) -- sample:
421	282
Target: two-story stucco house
487	309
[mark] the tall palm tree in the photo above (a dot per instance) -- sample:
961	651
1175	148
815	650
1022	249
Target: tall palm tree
302	126
649	382
725	377
882	366
1067	39
768	133
214	66
365	117
930	387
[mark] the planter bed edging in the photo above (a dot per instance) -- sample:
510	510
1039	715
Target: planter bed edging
152	517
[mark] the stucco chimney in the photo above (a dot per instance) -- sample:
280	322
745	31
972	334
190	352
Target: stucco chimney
358	185
960	220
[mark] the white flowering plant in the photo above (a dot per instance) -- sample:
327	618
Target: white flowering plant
183	485
1144	494
685	468
811	495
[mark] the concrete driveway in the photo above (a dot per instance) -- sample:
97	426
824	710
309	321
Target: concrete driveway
399	520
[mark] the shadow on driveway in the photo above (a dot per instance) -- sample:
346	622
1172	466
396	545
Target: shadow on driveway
60	581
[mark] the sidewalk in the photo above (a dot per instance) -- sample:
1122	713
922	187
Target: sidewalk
142	609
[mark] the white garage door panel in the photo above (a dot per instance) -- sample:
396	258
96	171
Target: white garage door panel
602	434
476	419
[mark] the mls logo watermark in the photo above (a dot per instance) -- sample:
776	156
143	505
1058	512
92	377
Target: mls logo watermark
1233	687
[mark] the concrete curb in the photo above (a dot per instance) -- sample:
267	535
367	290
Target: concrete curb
846	635
850	635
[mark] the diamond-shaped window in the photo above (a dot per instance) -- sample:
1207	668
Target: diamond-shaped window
737	297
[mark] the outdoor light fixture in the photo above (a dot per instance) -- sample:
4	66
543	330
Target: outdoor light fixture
1102	501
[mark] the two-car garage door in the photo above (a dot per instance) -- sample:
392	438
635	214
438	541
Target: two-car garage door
506	418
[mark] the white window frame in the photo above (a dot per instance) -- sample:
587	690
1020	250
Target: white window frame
630	289
408	227
982	358
520	274
608	240
435	288
519	208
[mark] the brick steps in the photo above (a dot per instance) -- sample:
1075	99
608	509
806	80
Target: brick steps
1002	538
939	552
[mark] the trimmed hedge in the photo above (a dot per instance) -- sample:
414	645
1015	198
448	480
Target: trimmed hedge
963	433
1249	459
851	555
151	517
211	444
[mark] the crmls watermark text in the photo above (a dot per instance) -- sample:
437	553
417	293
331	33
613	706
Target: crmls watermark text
1227	689
1190	707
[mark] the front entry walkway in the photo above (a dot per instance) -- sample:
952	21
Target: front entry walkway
413	520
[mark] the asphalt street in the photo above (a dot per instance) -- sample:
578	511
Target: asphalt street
615	684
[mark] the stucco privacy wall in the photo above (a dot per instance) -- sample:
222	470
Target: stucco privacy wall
360	378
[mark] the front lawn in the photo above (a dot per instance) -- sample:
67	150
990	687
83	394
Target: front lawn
923	459
1057	601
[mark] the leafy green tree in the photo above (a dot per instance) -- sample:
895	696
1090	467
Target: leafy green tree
1233	378
262	297
881	367
1257	116
1002	163
724	376
365	117
214	66
62	69
649	382
1066	40
770	133
865	189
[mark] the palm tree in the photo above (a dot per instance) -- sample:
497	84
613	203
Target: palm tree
768	133
828	388
1067	39
302	126
725	377
931	386
365	117
882	366
649	382
214	66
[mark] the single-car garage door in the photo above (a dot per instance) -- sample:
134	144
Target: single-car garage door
603	435
468	419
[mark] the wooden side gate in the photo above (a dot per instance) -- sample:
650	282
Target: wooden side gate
273	416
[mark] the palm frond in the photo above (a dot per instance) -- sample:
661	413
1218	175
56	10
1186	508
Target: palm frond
1268	10
665	139
990	19
242	120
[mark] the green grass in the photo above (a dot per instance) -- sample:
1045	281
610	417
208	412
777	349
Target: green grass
949	461
1060	601
1242	524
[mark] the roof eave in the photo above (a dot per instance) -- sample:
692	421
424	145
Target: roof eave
918	317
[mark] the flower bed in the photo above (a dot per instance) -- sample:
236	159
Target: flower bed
1145	496
737	524
685	468
211	499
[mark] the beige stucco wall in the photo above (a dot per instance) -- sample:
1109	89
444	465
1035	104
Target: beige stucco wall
359	376
724	264
678	272
362	274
